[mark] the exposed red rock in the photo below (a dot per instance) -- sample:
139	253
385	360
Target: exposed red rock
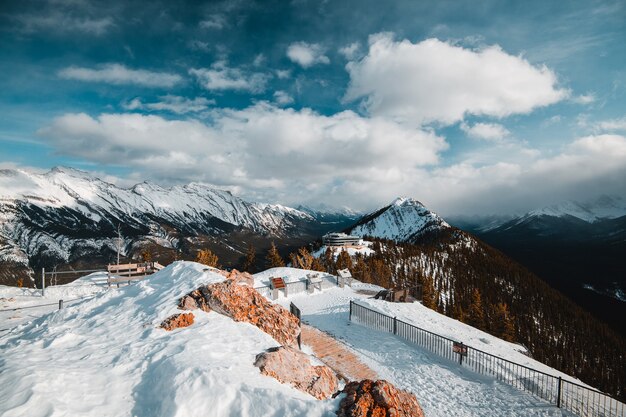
291	366
369	398
244	303
242	278
177	320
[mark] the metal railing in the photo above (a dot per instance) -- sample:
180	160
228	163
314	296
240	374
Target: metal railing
565	394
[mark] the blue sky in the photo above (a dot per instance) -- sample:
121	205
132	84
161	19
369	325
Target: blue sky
470	107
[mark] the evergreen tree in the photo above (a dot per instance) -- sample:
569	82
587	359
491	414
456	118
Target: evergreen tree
476	315
273	258
317	265
329	260
146	255
503	324
429	298
343	261
458	313
206	257
248	263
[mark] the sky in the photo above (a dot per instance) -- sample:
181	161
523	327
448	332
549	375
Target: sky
486	107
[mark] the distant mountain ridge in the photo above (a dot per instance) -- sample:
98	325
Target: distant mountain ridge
577	247
67	216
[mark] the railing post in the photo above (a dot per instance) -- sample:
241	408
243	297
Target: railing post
350	310
60	304
395	325
558	394
43	282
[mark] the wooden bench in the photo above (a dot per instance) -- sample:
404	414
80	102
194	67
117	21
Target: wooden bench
277	283
131	272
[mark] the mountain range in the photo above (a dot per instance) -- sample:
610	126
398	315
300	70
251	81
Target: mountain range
70	217
577	247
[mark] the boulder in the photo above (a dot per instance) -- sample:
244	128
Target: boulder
242	278
377	398
177	320
291	366
243	303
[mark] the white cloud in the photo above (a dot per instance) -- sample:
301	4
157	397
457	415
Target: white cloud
612	125
350	51
307	54
215	22
55	22
222	77
288	156
487	131
585	168
282	98
120	75
284	150
434	81
584	98
283	74
171	103
259	60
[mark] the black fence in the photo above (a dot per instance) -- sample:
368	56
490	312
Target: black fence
293	309
568	395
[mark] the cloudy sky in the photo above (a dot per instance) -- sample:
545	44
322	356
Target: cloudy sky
470	107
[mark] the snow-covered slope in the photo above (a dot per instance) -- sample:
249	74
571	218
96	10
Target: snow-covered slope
603	207
403	220
106	356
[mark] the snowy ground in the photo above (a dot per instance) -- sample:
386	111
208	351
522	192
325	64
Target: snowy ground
363	249
21	305
105	356
442	387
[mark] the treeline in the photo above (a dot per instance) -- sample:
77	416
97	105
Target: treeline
474	283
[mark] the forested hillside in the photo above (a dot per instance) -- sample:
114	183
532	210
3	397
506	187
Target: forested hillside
472	282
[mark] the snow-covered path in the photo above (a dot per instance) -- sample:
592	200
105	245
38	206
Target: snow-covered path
443	388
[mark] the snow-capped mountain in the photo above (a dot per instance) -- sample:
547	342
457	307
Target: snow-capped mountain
577	247
66	215
405	220
602	208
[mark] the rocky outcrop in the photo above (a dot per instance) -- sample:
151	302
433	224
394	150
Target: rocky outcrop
244	303
242	278
177	320
291	366
377	398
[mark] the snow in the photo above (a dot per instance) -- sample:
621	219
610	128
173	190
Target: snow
604	207
364	249
404	219
441	386
287	273
105	356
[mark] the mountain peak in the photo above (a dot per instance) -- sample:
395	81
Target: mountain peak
405	219
406	201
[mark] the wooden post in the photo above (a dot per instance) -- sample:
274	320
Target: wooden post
60	304
395	325
558	395
43	282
